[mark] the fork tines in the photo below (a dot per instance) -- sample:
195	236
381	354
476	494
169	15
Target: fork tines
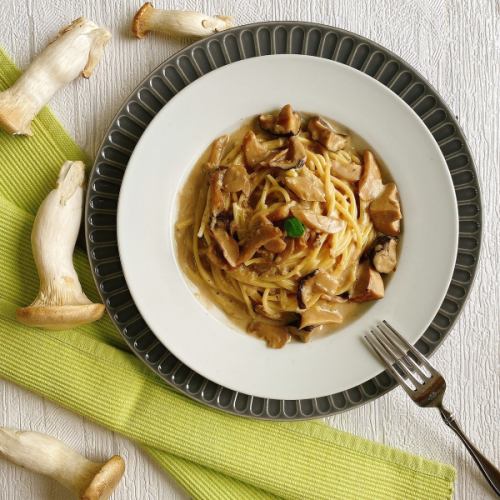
394	351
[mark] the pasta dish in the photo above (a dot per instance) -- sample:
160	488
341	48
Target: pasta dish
287	226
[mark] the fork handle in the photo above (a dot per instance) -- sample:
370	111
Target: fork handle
489	471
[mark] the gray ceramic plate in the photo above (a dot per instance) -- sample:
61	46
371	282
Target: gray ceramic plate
182	69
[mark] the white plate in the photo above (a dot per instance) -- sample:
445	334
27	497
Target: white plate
217	103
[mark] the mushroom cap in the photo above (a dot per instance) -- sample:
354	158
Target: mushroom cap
104	482
59	317
138	21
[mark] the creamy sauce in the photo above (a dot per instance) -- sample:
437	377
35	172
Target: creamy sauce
187	200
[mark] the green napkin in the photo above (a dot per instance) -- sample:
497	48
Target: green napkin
90	371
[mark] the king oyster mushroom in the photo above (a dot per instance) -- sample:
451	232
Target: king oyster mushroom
294	156
322	132
219	199
254	152
323	223
321	313
276	336
236	179
286	123
384	254
304	334
216	257
177	22
60	302
325	282
305	288
264	233
370	183
76	51
319	281
350	172
227	245
48	456
368	285
305	185
385	211
217	152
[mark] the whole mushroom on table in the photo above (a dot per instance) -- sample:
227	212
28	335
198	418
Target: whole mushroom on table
60	302
48	456
76	51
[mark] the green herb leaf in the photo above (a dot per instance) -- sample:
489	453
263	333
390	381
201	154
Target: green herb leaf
294	228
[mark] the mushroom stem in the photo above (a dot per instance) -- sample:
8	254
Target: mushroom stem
61	302
49	456
177	22
76	51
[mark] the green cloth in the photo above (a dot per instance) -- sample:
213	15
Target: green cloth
89	370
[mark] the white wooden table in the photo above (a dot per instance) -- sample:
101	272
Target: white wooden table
456	45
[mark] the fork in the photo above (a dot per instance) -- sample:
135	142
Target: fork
424	384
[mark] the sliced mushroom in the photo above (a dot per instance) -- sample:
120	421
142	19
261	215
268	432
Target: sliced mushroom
368	285
326	282
304	335
370	183
318	222
276	336
279	213
350	172
306	185
214	255
305	289
333	298
277	245
262	235
385	211
323	132
320	314
237	179
253	150
217	152
286	123
384	254
228	246
294	156
219	200
259	309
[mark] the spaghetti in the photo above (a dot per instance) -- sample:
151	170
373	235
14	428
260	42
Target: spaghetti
284	230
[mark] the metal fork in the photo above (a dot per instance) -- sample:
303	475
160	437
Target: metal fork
424	384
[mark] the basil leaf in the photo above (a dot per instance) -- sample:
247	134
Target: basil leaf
294	228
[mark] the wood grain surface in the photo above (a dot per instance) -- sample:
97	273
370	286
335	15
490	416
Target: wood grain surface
456	46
